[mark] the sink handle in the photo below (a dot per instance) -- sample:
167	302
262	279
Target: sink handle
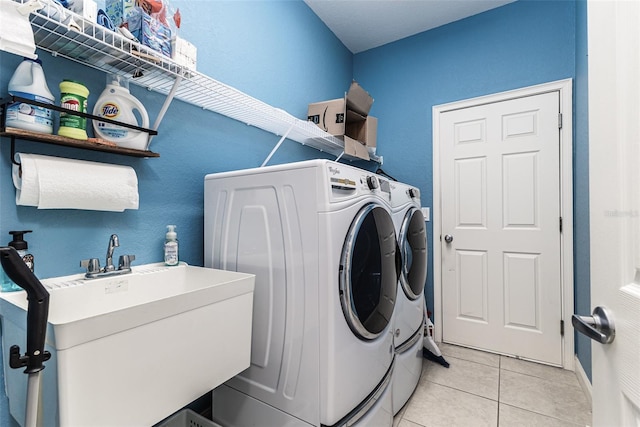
92	265
124	261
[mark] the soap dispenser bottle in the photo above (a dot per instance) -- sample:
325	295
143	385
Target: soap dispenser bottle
171	246
20	245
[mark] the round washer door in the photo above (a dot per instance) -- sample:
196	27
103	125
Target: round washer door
413	246
368	278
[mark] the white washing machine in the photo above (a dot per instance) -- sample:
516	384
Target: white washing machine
320	239
408	318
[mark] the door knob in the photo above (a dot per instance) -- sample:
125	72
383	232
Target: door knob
599	327
448	238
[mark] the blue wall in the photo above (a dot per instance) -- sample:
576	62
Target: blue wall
582	296
517	45
276	51
281	53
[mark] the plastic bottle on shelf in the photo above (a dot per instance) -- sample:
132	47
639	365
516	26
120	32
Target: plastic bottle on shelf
28	82
116	103
73	96
171	246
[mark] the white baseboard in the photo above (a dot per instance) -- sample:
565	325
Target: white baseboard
583	380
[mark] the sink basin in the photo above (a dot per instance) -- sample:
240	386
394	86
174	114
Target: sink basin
132	349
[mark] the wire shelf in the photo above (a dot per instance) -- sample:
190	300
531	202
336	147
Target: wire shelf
68	35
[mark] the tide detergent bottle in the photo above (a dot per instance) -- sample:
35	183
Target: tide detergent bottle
116	103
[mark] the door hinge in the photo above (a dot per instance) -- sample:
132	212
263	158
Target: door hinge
559	120
562	328
561	224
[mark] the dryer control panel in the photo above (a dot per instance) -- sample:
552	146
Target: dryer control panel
376	185
402	194
384	186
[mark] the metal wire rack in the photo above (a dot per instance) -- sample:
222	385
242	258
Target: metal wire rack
68	35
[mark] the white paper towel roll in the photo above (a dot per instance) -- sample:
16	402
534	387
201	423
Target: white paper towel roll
58	183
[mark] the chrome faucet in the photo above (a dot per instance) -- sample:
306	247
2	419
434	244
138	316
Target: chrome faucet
113	243
93	265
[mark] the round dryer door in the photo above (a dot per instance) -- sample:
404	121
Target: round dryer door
413	246
368	278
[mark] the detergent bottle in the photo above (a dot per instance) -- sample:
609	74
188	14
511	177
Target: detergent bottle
116	103
28	82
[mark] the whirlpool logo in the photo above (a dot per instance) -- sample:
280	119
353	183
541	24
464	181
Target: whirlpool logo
110	110
334	171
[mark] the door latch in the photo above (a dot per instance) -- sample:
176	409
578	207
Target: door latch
599	327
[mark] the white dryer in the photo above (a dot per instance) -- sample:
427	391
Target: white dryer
320	239
408	318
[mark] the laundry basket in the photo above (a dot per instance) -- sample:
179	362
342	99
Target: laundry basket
187	418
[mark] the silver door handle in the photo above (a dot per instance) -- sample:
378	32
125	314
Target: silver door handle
448	238
599	327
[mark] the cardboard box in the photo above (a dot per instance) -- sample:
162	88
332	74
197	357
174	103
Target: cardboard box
149	31
328	115
364	131
348	118
355	148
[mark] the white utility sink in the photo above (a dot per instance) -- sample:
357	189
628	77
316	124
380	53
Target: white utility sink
130	350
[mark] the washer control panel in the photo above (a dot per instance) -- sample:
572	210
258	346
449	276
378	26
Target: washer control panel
343	178
372	182
376	184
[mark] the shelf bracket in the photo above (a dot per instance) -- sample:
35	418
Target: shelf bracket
13	152
165	107
276	147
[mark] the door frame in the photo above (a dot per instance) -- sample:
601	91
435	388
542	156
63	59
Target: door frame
564	87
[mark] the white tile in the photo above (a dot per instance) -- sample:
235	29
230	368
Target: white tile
463	375
510	416
538	370
469	354
407	423
530	394
552	398
434	405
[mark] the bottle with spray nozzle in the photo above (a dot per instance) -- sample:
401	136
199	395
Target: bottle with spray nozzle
171	246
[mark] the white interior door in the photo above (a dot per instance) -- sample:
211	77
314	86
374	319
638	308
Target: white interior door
501	238
614	193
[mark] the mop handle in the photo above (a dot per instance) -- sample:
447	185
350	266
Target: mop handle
37	312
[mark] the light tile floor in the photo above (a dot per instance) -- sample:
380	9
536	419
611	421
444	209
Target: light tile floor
484	389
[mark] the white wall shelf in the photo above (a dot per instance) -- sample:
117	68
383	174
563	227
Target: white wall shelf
92	45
